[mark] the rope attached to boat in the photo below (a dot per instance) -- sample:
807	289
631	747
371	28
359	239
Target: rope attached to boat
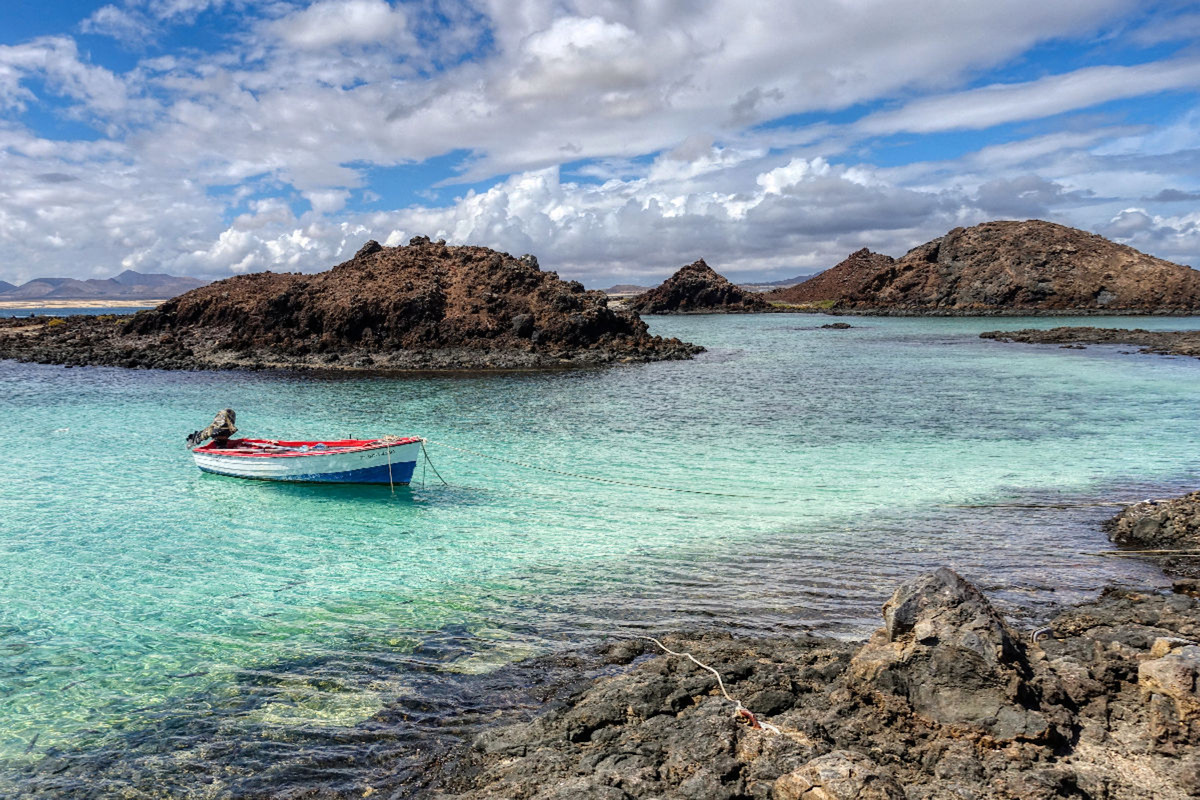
594	478
425	453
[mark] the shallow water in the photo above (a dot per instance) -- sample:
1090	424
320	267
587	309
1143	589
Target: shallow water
134	589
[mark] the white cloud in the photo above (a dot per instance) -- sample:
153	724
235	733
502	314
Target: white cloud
655	99
332	23
1001	103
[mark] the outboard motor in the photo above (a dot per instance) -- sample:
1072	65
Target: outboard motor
219	431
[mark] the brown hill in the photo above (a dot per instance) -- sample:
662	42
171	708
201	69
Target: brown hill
696	288
1027	267
847	278
424	306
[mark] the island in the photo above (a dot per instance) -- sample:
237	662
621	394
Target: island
1004	267
424	306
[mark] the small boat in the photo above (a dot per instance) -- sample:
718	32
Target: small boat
389	460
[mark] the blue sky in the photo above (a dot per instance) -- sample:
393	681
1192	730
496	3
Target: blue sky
616	141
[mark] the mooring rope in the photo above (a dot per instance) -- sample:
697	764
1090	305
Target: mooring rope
595	478
740	710
425	453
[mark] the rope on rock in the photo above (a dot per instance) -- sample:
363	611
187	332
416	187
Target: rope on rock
594	478
740	711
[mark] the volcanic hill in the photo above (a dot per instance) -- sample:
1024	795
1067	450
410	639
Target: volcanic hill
696	288
1008	267
849	277
424	306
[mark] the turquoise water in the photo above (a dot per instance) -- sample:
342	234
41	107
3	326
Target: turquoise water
132	586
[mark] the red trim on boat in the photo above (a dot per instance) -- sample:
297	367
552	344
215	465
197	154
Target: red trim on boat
267	448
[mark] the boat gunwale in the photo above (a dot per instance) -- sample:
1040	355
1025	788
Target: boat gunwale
366	446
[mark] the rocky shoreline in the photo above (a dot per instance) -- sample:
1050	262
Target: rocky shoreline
424	306
945	700
1173	343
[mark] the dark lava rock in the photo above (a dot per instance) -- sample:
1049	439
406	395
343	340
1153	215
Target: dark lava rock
943	702
848	278
424	306
1174	343
1008	267
837	326
948	654
1162	525
697	288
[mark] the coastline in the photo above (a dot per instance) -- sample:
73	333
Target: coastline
97	304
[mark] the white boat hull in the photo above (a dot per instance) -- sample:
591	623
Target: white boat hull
374	464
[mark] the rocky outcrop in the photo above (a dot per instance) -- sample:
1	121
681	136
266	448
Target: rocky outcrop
1174	343
852	276
1163	526
945	701
950	658
697	288
1009	267
424	306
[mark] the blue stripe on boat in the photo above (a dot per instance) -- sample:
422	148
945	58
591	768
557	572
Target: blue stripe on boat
401	474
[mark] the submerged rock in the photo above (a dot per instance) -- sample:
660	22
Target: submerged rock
697	288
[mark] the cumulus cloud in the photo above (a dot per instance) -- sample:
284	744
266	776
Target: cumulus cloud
340	22
610	139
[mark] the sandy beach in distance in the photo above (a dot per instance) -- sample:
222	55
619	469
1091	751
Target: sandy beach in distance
107	303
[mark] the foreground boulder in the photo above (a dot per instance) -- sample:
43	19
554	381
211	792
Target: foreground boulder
424	306
697	288
947	654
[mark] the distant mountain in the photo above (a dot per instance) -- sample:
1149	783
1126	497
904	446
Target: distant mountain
129	285
626	288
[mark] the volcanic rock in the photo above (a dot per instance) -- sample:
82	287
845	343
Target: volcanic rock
850	277
424	306
1026	267
1115	680
697	288
946	652
1163	526
1175	343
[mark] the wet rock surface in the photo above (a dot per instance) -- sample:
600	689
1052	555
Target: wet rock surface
426	306
944	701
1008	267
1173	343
697	288
1165	527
